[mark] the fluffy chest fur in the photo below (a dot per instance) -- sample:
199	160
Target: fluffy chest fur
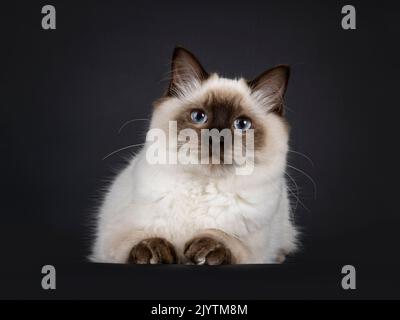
184	203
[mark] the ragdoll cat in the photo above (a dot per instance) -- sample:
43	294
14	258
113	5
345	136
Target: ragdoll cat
205	213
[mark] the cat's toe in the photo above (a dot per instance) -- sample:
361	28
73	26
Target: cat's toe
153	251
207	251
218	256
140	254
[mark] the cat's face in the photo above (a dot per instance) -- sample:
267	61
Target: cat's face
232	118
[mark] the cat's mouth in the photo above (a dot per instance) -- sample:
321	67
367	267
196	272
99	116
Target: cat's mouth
217	155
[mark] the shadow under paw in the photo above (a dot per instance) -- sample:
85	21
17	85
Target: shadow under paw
153	251
206	250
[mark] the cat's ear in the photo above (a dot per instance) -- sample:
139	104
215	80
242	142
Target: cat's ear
186	72
270	87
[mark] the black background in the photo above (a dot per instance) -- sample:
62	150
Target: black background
66	92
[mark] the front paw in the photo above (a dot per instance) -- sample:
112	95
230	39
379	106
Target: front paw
206	250
153	251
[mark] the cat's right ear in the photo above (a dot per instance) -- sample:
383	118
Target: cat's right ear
270	87
186	72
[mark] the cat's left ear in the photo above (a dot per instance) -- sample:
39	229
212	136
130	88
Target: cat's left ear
186	72
270	87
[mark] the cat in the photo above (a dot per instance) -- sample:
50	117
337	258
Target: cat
205	213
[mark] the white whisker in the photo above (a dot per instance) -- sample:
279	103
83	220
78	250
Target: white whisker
308	176
128	122
124	148
302	154
297	195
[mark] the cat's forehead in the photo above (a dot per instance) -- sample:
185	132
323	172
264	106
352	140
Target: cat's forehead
225	93
217	99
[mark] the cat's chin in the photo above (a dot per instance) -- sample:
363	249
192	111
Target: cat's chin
210	170
219	169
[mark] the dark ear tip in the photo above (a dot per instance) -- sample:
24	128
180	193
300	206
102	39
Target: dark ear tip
179	50
176	51
285	68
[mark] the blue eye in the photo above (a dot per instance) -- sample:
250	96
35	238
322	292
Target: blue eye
198	116
242	124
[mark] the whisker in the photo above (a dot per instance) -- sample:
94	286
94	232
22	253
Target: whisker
302	154
121	149
308	176
128	122
297	195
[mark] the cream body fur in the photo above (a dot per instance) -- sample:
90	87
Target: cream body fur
250	214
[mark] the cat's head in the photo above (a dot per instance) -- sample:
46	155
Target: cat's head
250	111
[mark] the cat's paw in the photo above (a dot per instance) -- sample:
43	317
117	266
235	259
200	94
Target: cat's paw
153	251
206	250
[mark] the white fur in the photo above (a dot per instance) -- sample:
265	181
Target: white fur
178	203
